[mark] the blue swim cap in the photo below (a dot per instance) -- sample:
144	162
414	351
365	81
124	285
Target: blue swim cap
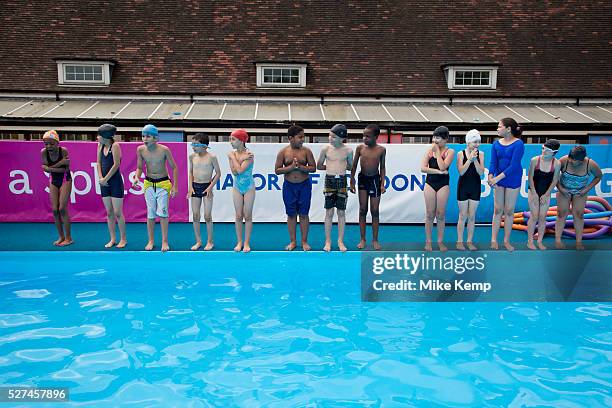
150	130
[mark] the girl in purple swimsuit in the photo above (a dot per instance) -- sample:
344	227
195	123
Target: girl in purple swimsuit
56	162
505	176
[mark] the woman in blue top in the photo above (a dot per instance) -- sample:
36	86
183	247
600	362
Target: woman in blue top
574	186
505	174
241	165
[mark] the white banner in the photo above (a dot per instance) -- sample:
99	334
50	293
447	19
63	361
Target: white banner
402	203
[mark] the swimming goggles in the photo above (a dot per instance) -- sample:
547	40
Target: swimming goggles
199	145
548	149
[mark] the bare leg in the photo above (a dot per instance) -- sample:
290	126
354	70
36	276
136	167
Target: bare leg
441	201
363	213
471	223
118	210
163	221
304	227
578	204
64	196
196	204
341	224
374	205
150	233
110	221
54	197
430	213
329	219
499	194
534	208
238	206
542	224
509	203
208	204
249	200
463	215
563	203
291	226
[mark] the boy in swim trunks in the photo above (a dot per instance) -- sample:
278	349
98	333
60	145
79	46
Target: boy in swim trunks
201	166
335	158
371	182
157	186
296	162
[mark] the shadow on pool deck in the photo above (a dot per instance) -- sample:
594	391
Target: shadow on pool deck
266	237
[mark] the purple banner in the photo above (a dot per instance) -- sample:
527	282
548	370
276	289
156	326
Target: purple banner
24	190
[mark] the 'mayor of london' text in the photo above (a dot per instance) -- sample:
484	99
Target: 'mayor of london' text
431	285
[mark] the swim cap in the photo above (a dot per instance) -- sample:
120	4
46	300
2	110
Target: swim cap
552	144
51	134
472	136
107	131
150	130
441	131
339	130
241	135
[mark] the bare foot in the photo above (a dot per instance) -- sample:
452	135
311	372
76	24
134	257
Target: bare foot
460	246
361	244
306	247
291	246
471	246
246	249
209	246
196	246
58	241
327	247
69	241
443	247
508	247
494	245
149	246
376	245
165	247
238	247
428	247
542	246
341	246
559	245
122	244
579	246
530	245
110	244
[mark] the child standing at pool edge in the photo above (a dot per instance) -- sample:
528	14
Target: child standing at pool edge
157	186
241	164
335	158
370	182
201	181
56	162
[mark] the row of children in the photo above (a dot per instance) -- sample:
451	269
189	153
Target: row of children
571	175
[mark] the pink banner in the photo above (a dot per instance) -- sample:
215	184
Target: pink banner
24	187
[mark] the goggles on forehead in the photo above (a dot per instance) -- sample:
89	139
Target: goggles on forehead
548	149
199	145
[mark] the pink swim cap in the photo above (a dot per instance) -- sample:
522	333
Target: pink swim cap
241	134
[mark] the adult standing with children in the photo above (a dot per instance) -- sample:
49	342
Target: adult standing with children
505	175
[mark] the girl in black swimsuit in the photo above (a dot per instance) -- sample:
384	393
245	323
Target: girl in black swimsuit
55	161
543	177
435	164
470	164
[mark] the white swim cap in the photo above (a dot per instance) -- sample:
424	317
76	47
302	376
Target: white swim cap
472	136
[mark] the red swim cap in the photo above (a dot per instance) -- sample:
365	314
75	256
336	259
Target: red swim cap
241	134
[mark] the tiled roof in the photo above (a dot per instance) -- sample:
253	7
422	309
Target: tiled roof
387	48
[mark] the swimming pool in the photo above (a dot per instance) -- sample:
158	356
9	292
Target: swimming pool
278	329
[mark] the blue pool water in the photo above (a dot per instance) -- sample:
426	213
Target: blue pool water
275	329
